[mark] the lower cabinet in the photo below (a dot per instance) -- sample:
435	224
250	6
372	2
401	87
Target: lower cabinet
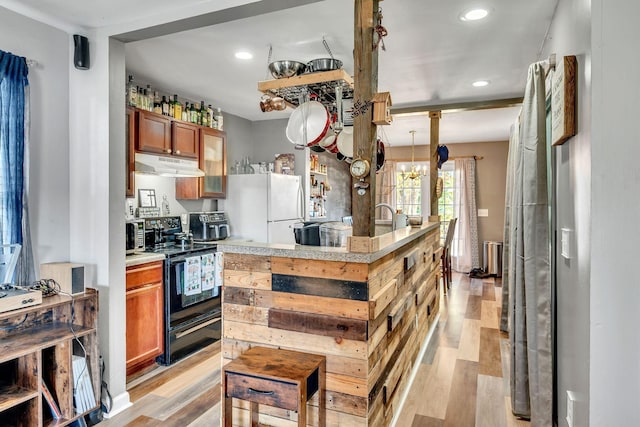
145	315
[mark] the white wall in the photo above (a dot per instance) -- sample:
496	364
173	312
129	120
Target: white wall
49	149
570	35
615	179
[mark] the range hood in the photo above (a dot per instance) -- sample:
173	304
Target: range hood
166	166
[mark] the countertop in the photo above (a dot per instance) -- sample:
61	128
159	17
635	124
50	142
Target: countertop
143	258
399	238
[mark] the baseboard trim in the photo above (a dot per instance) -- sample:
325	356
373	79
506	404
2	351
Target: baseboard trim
119	404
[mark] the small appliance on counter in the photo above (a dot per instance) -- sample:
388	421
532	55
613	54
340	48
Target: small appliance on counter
208	226
307	233
135	236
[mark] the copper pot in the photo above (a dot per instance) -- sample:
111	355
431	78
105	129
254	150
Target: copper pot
268	103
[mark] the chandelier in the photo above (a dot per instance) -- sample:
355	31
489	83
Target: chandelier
415	172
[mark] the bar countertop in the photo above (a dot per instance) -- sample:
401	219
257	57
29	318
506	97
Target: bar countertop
397	239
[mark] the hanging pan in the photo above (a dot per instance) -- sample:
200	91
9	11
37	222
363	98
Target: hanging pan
308	124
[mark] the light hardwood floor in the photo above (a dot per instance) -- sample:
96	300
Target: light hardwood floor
462	380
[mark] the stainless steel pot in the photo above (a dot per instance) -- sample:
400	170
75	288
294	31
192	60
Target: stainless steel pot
323	64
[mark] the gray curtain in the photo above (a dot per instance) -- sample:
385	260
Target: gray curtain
528	255
512	169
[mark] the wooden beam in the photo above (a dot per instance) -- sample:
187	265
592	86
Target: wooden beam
364	131
458	106
434	116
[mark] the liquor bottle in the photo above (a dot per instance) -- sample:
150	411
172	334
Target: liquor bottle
139	97
185	112
177	108
132	92
142	98
219	119
149	94
193	114
165	106
171	111
204	119
210	119
157	106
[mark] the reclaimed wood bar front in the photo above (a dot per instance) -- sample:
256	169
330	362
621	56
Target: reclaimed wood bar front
367	313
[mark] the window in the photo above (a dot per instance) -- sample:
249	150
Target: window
408	192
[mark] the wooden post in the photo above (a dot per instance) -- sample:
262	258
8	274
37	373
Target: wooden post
433	145
364	131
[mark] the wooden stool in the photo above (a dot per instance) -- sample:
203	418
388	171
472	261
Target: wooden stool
282	378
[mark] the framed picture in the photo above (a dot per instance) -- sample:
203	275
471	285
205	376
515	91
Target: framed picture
147	198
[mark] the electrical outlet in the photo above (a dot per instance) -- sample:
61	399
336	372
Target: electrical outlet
570	406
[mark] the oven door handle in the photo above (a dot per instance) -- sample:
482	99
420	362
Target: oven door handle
197	327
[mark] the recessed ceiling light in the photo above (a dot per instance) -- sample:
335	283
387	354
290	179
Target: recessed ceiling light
244	55
474	14
480	83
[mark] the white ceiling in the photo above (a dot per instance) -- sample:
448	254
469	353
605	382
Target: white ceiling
431	56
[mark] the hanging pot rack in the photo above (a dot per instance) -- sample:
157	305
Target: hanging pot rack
321	84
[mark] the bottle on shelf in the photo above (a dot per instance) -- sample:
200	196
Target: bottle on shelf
210	118
139	97
165	106
193	118
218	117
132	92
177	108
143	99
185	112
149	94
157	105
204	120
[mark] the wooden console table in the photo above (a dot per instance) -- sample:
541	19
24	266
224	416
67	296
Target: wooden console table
282	378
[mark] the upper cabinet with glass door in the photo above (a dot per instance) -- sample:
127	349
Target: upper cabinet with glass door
213	161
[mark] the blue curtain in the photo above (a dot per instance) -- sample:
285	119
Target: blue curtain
13	111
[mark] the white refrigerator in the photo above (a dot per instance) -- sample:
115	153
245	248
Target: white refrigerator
264	207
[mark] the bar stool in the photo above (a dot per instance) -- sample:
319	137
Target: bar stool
446	255
282	378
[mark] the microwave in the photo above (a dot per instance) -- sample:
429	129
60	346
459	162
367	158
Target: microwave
135	236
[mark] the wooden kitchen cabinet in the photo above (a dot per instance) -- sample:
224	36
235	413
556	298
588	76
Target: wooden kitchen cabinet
37	345
163	135
213	161
145	315
154	133
184	138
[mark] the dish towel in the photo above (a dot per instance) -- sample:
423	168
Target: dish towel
208	271
219	273
192	276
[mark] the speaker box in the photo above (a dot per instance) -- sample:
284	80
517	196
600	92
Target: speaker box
69	276
81	52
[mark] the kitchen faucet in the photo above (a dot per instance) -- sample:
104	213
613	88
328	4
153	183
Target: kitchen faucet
393	213
397	220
